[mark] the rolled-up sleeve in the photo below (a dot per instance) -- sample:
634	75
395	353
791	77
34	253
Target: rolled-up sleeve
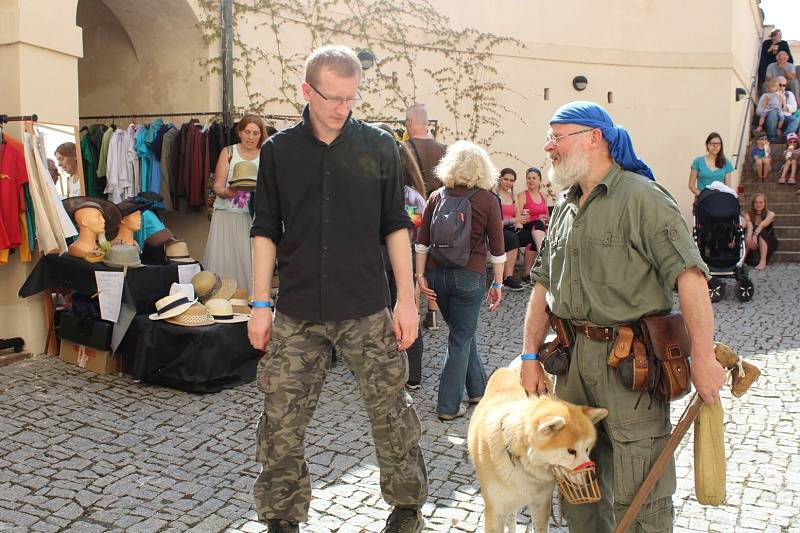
267	221
540	273
665	240
393	212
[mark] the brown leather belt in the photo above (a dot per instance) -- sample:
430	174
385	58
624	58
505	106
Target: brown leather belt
594	332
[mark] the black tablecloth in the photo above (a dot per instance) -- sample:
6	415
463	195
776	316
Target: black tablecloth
194	359
143	286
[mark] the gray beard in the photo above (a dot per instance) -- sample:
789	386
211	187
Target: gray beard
569	171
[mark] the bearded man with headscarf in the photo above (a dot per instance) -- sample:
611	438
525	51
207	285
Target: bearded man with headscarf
616	250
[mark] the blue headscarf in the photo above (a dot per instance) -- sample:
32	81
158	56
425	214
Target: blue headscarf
619	142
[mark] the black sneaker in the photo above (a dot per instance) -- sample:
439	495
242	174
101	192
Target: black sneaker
412	385
404	521
512	285
275	525
431	322
526	282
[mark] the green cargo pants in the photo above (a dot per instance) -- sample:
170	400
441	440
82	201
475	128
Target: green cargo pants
628	442
291	375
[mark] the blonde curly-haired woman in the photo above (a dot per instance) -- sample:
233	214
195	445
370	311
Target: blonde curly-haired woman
464	169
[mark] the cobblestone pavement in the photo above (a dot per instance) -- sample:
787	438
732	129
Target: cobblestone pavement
81	452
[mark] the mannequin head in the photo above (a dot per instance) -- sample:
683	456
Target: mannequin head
130	224
90	220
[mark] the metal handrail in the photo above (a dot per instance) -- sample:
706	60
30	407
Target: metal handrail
750	101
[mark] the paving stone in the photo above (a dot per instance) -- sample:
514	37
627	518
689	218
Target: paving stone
80	452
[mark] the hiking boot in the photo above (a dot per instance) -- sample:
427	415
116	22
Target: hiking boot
512	285
404	521
476	399
462	410
275	525
431	322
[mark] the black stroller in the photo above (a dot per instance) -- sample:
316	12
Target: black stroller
719	235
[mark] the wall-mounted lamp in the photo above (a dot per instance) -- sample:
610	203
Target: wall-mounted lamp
547	93
366	58
741	94
580	83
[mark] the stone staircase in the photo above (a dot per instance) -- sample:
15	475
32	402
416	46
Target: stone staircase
781	199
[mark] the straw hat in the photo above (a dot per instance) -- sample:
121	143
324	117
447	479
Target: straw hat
240	302
123	255
208	286
196	315
171	306
244	176
222	311
178	252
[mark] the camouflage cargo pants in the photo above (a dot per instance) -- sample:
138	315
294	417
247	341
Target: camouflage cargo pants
291	375
628	442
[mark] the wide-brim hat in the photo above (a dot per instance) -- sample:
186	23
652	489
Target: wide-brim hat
195	315
126	207
171	306
208	286
122	256
223	312
111	212
177	251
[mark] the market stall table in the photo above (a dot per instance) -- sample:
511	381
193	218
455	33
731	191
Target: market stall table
192	358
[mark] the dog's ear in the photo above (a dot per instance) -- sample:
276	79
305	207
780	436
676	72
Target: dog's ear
551	425
595	414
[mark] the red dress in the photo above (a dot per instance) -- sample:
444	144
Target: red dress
13	175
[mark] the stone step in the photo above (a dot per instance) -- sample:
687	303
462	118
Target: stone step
788	232
788	197
785	257
779	208
787	220
787	245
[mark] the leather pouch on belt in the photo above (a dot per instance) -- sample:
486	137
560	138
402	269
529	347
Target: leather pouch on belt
636	371
622	346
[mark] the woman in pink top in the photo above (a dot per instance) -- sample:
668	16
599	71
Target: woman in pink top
534	204
513	219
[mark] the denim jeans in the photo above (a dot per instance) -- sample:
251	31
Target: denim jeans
459	294
790	125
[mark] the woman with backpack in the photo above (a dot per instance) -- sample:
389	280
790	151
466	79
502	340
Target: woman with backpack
452	253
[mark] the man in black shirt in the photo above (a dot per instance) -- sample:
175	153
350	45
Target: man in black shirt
329	192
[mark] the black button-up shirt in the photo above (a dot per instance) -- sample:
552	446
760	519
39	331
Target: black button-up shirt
328	207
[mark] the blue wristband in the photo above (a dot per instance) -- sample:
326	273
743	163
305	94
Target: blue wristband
529	357
496	285
260	303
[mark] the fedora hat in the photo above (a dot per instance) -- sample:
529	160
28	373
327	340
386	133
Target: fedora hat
160	238
122	256
208	286
195	315
171	306
177	251
244	175
223	313
110	212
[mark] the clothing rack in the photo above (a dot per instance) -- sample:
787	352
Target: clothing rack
199	113
19	118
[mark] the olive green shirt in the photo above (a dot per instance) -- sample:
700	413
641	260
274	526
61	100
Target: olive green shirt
617	258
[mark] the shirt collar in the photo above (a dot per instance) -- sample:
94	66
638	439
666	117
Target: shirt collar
608	183
349	124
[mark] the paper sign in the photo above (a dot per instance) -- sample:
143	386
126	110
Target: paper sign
109	286
187	272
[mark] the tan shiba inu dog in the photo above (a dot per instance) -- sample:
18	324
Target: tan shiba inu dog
514	439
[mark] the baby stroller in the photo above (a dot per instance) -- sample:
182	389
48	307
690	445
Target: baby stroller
719	235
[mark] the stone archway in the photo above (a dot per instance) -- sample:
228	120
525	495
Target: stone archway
141	57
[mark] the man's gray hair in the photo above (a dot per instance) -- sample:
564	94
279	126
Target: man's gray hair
417	114
339	59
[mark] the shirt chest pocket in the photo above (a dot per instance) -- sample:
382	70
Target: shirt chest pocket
606	258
